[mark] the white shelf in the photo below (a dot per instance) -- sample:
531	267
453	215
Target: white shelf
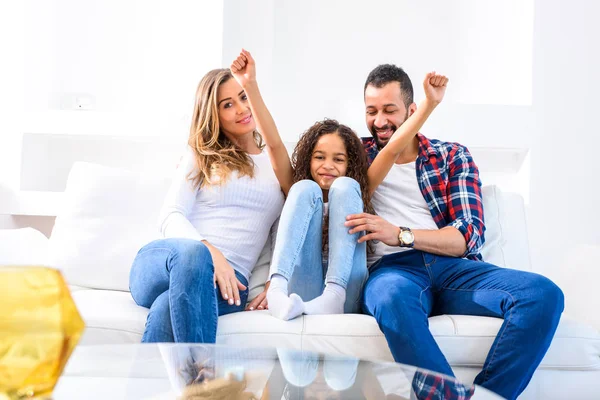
499	160
31	203
43	194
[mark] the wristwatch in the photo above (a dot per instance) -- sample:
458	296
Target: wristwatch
406	237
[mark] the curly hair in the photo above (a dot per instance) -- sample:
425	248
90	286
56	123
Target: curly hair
214	153
357	159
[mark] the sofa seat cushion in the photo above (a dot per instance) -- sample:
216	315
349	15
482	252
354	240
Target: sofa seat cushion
464	340
113	317
575	346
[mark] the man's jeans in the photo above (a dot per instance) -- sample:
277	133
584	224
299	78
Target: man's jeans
175	279
298	251
407	287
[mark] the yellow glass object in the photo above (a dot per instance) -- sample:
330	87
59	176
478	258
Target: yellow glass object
39	328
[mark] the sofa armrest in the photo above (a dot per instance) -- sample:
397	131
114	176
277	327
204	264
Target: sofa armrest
575	275
26	246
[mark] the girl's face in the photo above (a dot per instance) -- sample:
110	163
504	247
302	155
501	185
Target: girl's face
235	117
329	160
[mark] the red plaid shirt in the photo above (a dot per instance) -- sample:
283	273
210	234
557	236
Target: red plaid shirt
449	182
431	386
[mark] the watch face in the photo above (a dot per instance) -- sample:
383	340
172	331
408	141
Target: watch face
407	237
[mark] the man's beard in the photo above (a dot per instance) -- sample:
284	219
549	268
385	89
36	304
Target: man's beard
394	128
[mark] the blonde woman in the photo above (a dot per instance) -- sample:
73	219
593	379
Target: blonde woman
216	218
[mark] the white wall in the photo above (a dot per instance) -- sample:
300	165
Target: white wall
11	95
133	66
313	58
564	211
522	76
86	67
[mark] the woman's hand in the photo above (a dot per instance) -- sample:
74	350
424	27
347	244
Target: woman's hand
225	277
260	302
243	69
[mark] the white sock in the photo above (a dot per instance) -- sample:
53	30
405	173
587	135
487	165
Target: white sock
280	304
330	302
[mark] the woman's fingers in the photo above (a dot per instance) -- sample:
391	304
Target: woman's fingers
223	287
239	284
235	298
228	289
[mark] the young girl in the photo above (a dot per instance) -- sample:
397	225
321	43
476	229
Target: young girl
200	269
330	182
315	257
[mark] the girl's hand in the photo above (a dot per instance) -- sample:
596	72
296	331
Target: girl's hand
260	302
435	87
243	68
225	277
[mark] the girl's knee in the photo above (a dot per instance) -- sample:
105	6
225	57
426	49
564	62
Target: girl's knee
305	186
344	183
344	188
304	192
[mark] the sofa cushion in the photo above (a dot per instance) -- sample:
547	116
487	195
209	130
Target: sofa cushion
106	325
506	243
465	340
514	231
110	316
575	345
109	213
25	246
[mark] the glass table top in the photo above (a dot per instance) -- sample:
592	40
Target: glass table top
200	371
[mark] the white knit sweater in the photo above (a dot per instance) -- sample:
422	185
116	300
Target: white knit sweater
235	217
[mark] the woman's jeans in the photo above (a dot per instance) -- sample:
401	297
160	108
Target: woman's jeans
298	249
175	279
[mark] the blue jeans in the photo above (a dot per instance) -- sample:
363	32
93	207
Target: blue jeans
405	288
175	279
298	249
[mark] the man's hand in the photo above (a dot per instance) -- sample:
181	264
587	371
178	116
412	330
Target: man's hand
375	226
260	302
435	87
225	277
243	69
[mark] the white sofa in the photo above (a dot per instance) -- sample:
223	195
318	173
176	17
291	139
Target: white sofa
110	213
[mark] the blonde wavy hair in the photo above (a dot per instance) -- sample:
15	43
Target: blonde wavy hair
216	156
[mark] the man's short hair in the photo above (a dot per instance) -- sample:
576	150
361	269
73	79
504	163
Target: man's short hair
386	73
